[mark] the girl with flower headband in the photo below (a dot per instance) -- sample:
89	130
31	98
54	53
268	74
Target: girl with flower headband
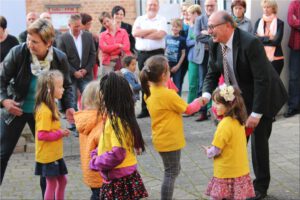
165	107
231	179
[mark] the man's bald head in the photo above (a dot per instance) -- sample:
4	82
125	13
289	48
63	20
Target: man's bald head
45	15
223	17
221	26
31	17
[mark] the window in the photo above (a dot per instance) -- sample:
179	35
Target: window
60	15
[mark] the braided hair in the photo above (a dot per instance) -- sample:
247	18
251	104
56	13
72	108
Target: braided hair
117	103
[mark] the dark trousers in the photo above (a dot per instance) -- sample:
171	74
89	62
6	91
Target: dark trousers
202	74
294	80
260	154
278	65
142	57
176	77
184	68
171	161
95	194
9	137
79	84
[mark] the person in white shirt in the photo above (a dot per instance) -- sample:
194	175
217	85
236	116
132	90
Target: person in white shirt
149	31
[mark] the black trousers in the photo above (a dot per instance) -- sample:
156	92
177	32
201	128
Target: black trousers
260	154
278	65
142	57
9	137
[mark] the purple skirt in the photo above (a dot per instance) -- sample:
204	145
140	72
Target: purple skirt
231	188
127	187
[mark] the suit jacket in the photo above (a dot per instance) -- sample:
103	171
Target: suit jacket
15	77
261	87
276	42
23	36
66	43
201	40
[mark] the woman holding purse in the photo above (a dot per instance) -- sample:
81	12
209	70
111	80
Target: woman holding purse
113	44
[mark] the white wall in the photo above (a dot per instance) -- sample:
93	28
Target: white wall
15	13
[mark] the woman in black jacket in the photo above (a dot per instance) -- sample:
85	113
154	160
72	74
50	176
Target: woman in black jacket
18	79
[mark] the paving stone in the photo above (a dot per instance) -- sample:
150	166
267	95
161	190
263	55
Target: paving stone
21	183
20	147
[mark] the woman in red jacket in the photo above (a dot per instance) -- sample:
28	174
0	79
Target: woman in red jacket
113	44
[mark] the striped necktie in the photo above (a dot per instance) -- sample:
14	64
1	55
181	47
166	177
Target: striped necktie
225	64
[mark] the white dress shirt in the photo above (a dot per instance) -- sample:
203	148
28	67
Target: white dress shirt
144	23
78	44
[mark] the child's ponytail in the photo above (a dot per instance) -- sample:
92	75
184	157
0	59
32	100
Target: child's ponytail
144	82
155	66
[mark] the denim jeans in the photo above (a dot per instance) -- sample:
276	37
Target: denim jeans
10	135
176	77
171	161
80	85
294	80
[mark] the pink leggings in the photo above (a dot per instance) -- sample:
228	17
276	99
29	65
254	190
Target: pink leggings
55	186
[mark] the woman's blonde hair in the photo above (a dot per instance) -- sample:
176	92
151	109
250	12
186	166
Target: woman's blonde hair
90	96
43	28
270	3
45	91
194	8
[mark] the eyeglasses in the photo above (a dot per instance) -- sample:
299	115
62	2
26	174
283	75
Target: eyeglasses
212	27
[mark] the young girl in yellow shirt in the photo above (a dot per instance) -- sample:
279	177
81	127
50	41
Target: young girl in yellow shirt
49	134
121	139
231	179
165	107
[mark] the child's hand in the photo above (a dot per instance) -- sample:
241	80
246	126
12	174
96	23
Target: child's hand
175	68
205	148
66	132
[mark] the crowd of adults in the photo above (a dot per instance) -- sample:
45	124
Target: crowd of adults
254	58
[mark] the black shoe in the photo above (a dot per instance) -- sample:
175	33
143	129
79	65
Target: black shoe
142	115
290	113
72	128
258	195
202	117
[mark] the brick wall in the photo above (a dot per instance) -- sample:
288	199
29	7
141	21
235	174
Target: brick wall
92	7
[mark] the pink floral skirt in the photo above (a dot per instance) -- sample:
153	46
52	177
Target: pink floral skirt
230	188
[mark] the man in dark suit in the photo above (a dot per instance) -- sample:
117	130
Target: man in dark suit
261	87
79	47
